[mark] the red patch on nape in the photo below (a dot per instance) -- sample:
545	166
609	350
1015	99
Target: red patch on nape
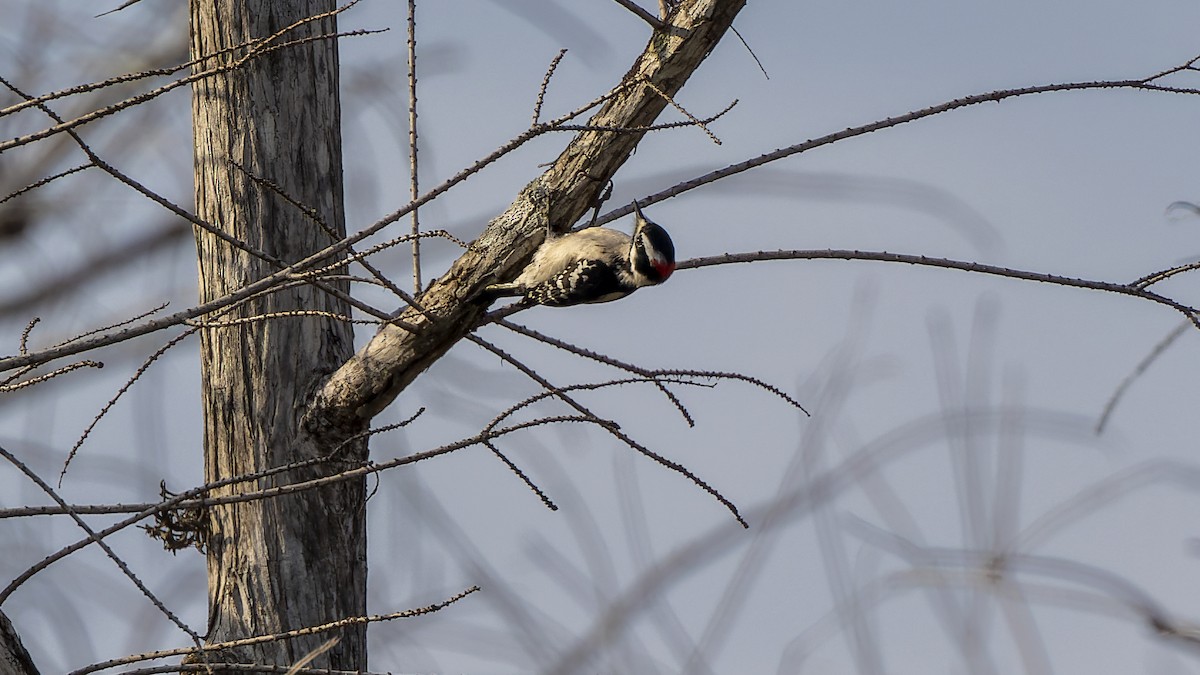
664	269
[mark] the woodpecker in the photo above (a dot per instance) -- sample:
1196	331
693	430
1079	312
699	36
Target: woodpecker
596	264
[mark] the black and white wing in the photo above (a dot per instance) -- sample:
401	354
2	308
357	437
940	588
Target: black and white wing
583	281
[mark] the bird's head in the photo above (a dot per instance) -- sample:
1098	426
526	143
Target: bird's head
653	253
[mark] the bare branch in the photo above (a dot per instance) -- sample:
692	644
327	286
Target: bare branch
276	637
93	536
127	180
245	668
414	184
393	359
752	54
189	500
601	358
1159	349
1163	275
113	401
690	122
614	429
655	22
541	97
316	276
691	118
226	323
122	6
1143	84
125	322
288	272
882	256
257	49
512	466
45	181
8	386
25	334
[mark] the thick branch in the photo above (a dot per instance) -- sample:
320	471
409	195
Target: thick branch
372	379
14	660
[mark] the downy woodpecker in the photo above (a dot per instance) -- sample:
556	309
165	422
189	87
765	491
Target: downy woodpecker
596	264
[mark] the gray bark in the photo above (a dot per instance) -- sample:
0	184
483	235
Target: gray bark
14	660
300	560
290	389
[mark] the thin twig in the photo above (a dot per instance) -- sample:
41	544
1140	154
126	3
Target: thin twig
512	466
655	22
513	409
123	5
752	54
1162	275
119	79
127	180
315	216
1144	84
8	385
1138	370
189	500
601	358
256	287
93	537
256	668
613	429
690	122
585	386
683	111
24	347
361	256
276	637
113	401
309	212
119	324
226	323
46	180
721	375
882	256
25	334
541	97
414	191
314	653
256	49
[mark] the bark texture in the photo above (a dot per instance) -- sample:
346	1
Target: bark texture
286	563
396	355
289	389
14	660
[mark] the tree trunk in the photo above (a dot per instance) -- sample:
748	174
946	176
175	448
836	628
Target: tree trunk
300	560
296	561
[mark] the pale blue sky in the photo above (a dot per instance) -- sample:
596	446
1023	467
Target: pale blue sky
1076	184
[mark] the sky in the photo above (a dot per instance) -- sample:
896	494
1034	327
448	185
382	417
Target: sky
951	414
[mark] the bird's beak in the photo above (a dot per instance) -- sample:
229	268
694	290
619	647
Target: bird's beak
638	210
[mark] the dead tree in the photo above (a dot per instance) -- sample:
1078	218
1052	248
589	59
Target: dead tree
299	560
289	390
